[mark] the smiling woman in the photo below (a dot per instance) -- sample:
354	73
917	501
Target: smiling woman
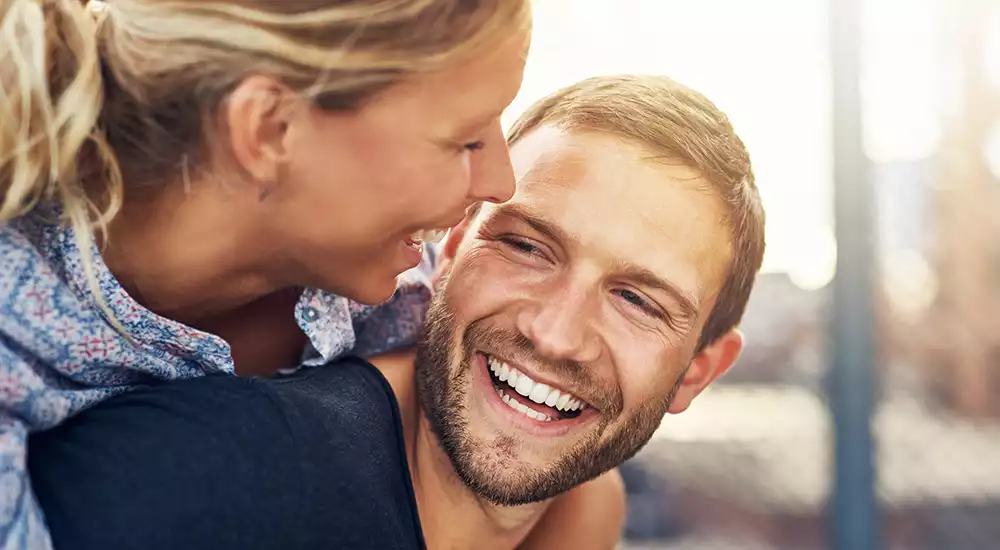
198	186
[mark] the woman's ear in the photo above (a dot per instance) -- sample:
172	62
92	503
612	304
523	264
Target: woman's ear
256	125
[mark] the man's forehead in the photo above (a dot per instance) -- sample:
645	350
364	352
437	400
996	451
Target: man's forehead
621	202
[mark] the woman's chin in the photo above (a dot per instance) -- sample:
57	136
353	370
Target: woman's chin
374	291
369	284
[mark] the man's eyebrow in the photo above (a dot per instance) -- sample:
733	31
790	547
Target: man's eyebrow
645	277
536	222
640	275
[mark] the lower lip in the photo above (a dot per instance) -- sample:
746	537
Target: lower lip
482	381
410	254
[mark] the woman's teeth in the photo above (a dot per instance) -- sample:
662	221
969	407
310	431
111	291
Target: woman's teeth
428	235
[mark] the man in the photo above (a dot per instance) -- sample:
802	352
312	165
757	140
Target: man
568	321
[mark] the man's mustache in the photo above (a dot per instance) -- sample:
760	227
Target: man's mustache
576	378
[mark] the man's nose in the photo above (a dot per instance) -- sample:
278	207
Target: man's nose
492	178
560	325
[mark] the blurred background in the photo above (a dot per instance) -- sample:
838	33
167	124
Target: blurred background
774	456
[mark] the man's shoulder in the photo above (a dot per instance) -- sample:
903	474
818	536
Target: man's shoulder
318	448
347	399
398	370
348	430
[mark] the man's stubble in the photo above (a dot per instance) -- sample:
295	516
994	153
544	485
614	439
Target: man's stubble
491	469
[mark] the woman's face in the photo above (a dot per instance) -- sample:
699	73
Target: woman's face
356	185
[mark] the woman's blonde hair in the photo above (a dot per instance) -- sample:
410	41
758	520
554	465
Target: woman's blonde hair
96	95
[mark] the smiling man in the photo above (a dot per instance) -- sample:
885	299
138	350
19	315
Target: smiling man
567	323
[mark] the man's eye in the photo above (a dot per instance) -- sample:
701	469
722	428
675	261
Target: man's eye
521	246
473	146
635	300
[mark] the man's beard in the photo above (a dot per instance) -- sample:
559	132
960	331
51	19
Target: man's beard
490	468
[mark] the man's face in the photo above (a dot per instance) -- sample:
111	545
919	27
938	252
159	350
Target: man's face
593	284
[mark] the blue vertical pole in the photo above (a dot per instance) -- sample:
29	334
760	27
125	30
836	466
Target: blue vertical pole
852	382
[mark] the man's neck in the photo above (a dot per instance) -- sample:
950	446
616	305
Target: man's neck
443	500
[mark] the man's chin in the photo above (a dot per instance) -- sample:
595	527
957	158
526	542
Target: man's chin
509	458
501	470
505	486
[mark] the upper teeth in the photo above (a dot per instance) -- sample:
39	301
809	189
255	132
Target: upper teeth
428	235
535	391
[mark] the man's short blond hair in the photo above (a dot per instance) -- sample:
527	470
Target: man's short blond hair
683	125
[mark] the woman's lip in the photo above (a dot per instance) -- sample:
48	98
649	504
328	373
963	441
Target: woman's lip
412	253
414	243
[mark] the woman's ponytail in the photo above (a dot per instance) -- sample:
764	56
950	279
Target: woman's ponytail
50	101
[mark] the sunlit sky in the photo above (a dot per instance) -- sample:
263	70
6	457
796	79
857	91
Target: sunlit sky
766	64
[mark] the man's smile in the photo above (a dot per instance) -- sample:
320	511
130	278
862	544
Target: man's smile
542	408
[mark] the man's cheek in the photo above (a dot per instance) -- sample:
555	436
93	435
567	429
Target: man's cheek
477	294
643	388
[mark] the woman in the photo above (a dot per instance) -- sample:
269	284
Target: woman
197	186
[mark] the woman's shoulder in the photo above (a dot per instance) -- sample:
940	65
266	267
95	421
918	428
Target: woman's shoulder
31	287
38	315
60	351
38	254
37	302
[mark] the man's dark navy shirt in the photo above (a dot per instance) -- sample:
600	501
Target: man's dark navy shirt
311	461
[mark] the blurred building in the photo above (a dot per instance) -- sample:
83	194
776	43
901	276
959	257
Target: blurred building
784	326
962	332
751	463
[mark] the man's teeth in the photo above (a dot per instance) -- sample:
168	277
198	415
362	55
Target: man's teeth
535	391
523	409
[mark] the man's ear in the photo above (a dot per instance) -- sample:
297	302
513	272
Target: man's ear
256	118
453	240
449	248
706	367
